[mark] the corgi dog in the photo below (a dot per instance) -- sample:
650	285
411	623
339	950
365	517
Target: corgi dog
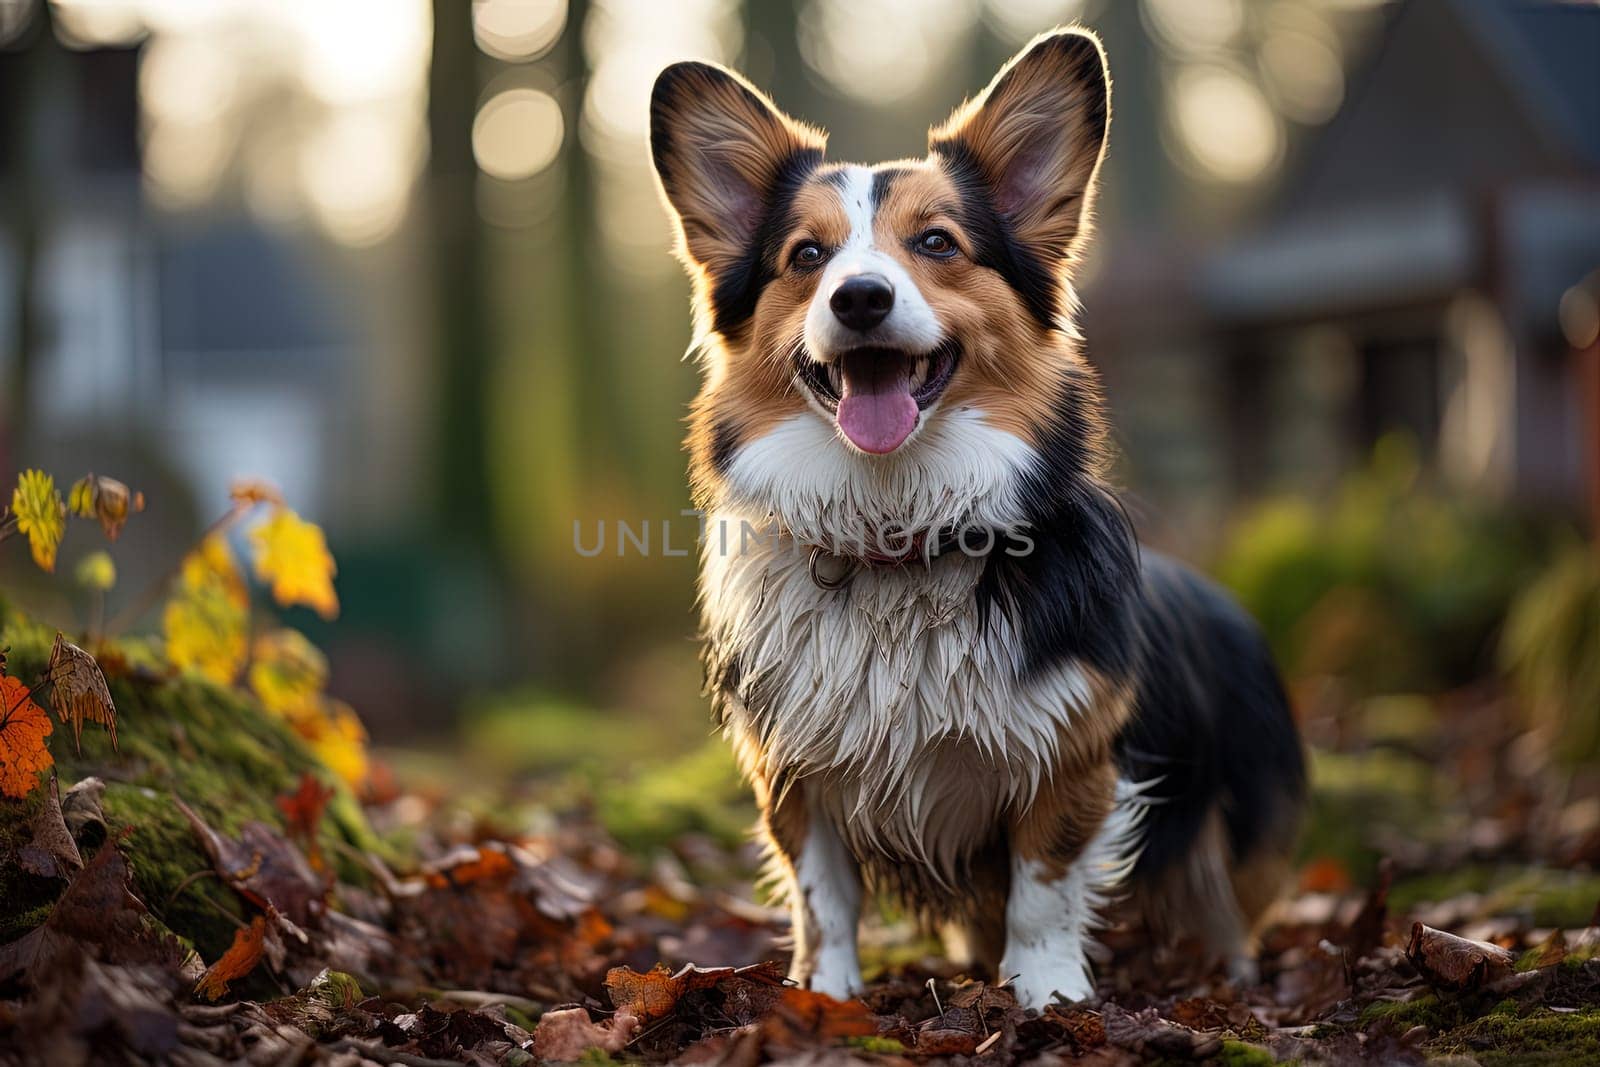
947	668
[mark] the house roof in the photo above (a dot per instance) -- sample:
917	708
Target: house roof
1456	95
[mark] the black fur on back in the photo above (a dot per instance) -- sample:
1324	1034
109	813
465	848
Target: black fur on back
1212	725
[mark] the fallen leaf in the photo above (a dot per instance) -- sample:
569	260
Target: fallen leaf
565	1035
302	814
50	852
240	959
1456	963
81	808
98	914
1552	950
78	691
23	728
1366	930
748	992
263	867
40	515
293	556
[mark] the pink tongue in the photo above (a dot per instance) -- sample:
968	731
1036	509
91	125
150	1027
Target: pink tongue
876	410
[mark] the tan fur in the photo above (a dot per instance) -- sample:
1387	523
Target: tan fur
1069	808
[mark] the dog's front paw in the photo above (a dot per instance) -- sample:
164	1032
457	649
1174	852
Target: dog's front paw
1038	980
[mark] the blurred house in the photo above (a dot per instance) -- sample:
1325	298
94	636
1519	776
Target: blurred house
1408	274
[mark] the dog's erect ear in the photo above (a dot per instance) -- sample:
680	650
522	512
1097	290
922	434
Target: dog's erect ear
722	150
1034	139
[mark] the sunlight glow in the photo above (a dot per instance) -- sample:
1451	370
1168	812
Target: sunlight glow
627	42
517	134
517	30
309	107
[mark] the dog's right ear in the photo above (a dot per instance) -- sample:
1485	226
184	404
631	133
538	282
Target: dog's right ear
721	151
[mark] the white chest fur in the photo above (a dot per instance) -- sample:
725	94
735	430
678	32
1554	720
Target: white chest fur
906	708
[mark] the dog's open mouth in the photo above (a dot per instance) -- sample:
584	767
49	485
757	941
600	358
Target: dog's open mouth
877	394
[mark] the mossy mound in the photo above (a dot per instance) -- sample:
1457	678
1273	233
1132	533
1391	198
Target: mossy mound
214	748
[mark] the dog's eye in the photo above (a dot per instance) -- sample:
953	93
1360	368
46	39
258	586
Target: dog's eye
808	254
937	243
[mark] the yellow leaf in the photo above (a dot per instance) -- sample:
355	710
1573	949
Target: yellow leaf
207	622
96	571
41	515
211	568
292	555
335	734
78	690
23	728
287	671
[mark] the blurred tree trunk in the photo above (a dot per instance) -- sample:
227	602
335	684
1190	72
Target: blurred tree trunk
34	87
463	346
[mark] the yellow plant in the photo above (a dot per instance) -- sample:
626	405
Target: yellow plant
40	515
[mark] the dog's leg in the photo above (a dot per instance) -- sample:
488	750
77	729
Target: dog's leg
1060	880
824	888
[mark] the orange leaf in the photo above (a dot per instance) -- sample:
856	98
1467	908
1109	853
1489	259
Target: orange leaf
78	690
23	728
240	959
1325	875
302	813
487	864
293	555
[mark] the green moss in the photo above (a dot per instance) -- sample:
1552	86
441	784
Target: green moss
1543	896
212	747
886	1045
1355	793
1425	1010
1541	1037
698	793
1242	1054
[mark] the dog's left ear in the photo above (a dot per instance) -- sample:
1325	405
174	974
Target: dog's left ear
1034	139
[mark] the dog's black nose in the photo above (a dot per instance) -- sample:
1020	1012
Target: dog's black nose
862	301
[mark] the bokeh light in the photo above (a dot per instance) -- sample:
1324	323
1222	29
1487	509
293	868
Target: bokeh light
1302	70
357	171
97	23
1017	21
1224	123
517	134
881	50
517	30
627	42
1191	27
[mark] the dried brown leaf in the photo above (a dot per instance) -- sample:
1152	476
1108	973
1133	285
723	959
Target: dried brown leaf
1451	962
78	690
